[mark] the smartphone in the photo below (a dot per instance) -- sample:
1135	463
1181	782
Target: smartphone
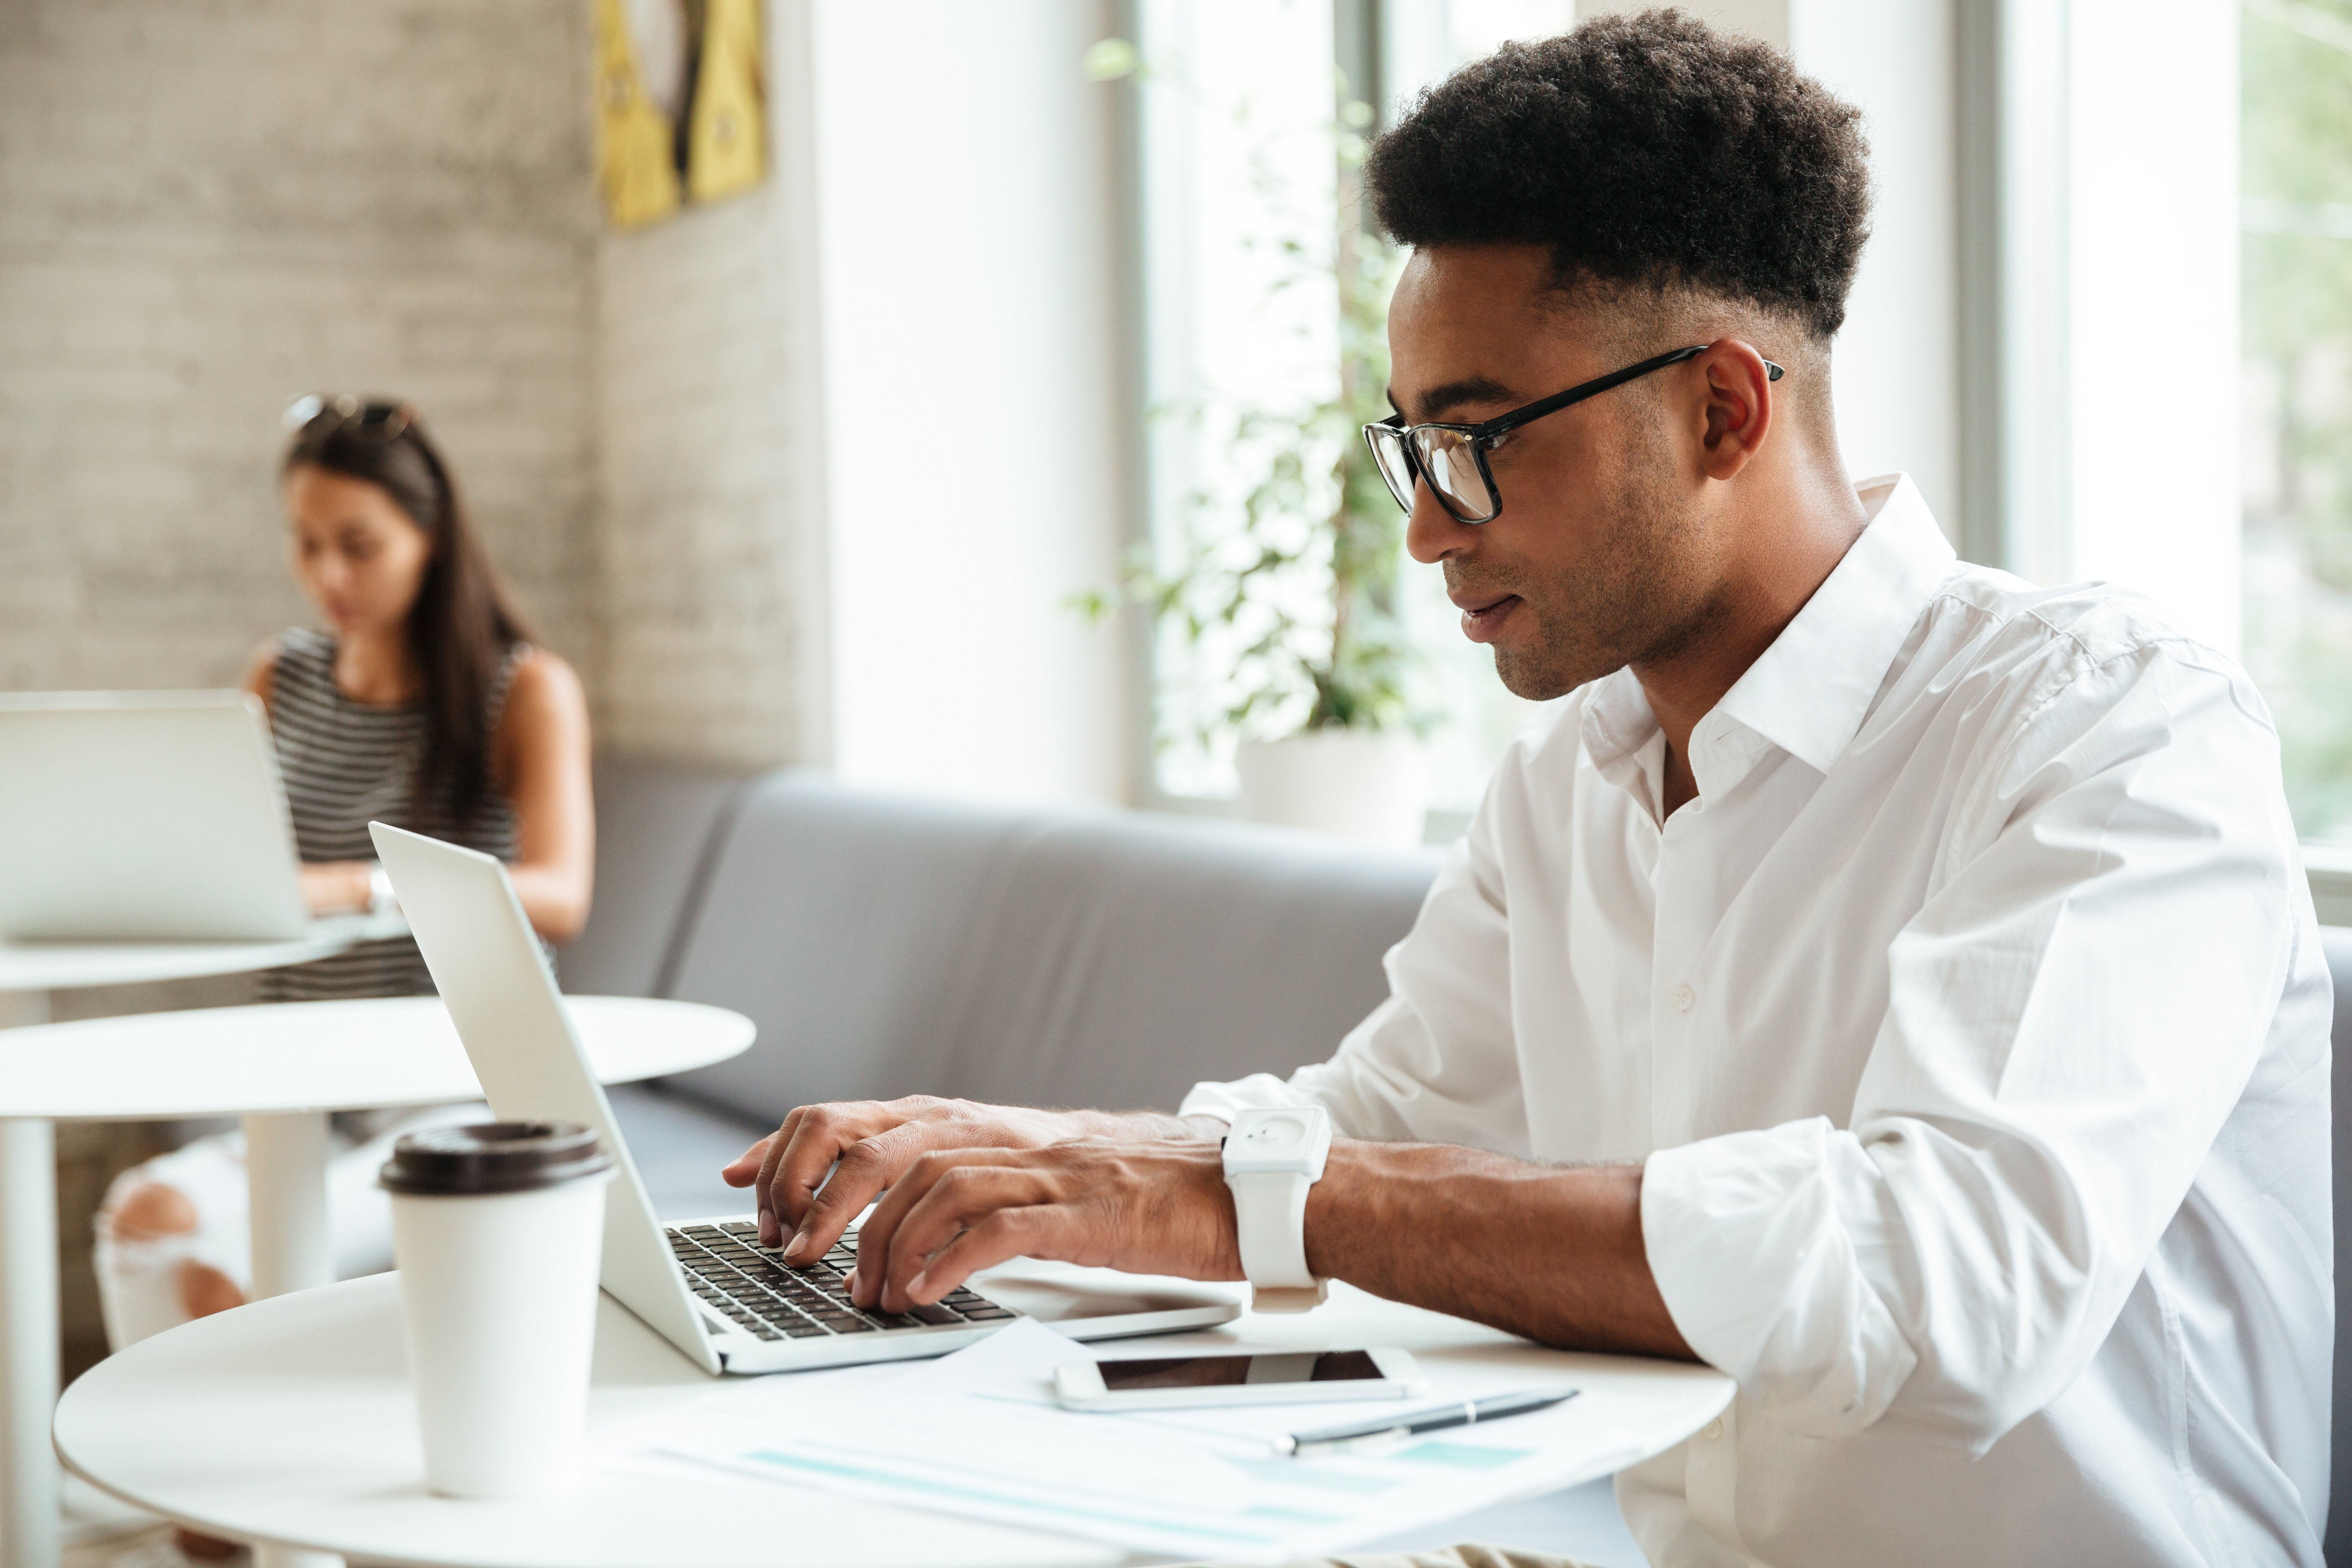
1292	1378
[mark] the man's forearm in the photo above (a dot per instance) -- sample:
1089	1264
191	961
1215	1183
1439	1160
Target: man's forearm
1157	1124
1552	1253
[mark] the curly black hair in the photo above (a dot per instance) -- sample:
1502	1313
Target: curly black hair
1647	150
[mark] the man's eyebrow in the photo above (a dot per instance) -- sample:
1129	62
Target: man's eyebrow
1439	401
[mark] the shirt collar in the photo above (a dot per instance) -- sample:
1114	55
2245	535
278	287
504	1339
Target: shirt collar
1810	690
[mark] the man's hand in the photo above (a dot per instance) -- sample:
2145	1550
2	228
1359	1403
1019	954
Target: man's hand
874	1141
1158	1206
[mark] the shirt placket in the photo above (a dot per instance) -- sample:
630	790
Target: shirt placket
1687	887
1680	926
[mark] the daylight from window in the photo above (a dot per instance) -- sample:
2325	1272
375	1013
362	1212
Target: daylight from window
1267	304
2298	393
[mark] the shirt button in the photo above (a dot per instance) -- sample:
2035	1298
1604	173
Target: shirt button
1684	998
1714	1429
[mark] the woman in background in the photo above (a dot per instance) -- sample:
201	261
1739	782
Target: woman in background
424	705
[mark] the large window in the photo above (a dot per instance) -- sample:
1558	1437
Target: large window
1249	214
2296	392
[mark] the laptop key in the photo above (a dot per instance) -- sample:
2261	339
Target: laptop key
934	1315
806	1330
988	1314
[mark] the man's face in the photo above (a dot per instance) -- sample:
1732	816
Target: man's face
1600	556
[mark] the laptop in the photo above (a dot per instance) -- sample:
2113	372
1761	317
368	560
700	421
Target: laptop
708	1286
148	816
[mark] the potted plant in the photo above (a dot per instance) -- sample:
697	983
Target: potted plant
1295	591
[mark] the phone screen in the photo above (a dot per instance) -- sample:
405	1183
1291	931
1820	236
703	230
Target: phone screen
1210	1371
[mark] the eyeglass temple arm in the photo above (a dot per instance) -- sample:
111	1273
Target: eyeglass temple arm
1594	388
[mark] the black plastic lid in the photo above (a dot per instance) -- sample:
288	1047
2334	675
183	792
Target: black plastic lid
487	1157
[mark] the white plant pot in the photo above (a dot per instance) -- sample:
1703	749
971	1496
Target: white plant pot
1367	784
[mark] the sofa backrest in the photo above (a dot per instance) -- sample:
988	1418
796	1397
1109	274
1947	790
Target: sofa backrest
657	826
890	945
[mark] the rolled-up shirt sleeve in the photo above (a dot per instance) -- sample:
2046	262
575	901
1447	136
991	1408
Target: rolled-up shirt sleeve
2070	1018
1436	1060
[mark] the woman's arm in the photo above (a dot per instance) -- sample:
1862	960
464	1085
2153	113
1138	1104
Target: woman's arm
541	765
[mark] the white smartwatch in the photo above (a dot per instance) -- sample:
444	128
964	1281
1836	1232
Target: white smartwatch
1272	1157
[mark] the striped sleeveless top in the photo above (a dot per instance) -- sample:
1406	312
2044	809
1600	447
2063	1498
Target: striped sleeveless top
344	764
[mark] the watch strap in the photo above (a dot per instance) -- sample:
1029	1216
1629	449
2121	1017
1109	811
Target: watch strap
1270	1215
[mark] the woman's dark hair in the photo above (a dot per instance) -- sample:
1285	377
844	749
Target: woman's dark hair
463	625
1648	150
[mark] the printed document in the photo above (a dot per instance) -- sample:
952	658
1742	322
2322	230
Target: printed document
977	1433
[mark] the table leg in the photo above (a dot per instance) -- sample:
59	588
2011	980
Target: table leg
286	1179
28	1323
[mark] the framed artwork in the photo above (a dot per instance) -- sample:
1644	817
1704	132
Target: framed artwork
681	105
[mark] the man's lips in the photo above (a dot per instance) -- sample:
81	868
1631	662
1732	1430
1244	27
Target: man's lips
1482	620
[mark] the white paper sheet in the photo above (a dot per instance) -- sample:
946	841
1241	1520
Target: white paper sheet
977	1433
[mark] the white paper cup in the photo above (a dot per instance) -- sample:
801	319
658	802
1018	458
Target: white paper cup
498	1228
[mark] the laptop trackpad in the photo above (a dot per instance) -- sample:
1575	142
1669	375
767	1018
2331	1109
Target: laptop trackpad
1103	1303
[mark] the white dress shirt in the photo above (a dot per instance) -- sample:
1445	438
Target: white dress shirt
1972	1028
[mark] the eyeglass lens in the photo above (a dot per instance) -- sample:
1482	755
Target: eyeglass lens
1450	459
1388	451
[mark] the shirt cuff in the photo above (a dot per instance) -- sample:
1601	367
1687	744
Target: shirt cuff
1759	1271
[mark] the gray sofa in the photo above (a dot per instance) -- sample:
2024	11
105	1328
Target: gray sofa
890	945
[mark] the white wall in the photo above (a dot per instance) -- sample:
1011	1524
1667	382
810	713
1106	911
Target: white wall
2152	303
208	208
710	464
967	276
1896	363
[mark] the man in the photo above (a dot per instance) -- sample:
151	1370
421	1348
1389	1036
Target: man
1885	981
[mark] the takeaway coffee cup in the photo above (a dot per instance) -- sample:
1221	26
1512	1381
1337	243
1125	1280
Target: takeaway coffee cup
498	1228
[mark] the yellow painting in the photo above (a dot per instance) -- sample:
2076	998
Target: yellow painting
681	104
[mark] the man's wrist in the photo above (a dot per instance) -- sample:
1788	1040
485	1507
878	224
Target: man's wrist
1347	1169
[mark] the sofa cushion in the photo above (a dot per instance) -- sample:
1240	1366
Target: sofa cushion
890	945
654	826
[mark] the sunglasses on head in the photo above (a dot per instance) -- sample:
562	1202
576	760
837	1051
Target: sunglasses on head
319	415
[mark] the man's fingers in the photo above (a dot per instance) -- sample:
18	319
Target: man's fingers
824	1133
1006	1234
771	1232
960	1196
864	1168
874	1238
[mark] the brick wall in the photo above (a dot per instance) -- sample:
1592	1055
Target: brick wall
697	459
208	206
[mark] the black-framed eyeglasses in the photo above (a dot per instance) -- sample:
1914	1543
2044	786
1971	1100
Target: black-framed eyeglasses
1452	457
319	415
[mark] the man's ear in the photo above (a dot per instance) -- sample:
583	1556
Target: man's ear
1739	408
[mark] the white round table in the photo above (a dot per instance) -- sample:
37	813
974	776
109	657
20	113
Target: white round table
29	971
282	1068
288	1422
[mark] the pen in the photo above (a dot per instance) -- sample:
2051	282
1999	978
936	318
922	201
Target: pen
1468	1413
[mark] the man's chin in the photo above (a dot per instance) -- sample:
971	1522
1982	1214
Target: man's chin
1541	679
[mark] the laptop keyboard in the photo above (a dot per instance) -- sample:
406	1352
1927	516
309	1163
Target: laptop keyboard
726	1267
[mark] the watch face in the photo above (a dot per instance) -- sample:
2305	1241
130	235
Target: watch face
1275	1135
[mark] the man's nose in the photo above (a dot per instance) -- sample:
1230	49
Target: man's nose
1431	533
